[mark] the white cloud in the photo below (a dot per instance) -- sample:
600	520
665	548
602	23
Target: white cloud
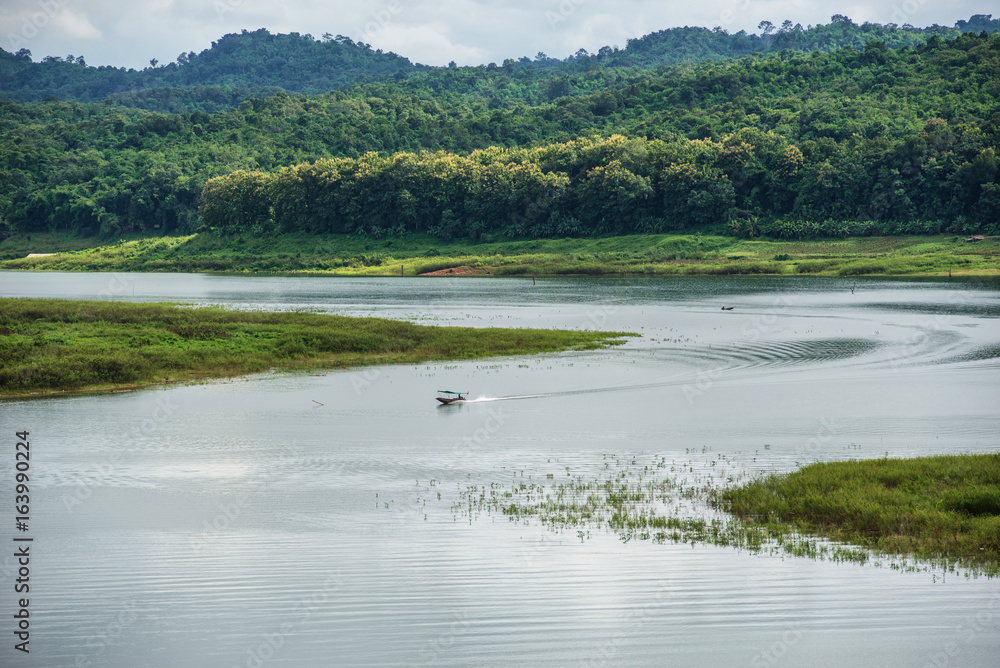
426	43
74	26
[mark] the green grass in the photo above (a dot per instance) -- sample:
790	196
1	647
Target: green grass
653	254
906	514
61	345
930	507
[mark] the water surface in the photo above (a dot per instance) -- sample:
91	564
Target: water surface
307	520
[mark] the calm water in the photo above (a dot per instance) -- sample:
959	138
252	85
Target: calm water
244	524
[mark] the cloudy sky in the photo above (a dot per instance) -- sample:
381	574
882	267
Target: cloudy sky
131	32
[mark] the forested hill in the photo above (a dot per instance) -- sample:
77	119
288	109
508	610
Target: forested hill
671	47
237	66
878	135
258	64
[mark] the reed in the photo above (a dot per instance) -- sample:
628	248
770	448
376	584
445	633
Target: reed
931	507
907	514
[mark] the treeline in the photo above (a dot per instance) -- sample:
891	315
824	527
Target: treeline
251	61
257	63
798	228
885	135
616	185
671	47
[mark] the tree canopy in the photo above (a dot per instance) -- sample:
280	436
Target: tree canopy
897	137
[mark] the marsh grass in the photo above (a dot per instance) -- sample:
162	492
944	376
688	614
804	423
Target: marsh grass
931	507
58	345
942	514
415	254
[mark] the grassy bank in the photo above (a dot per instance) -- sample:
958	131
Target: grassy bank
908	514
930	507
412	255
60	345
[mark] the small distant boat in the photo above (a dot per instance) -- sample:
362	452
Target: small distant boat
449	397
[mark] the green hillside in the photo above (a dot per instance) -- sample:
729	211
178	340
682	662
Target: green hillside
249	64
236	67
847	142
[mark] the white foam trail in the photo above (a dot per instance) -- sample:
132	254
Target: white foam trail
674	380
528	396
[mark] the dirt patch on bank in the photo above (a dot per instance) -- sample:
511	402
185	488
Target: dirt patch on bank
460	271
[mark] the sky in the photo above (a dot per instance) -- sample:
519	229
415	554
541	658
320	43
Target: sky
128	33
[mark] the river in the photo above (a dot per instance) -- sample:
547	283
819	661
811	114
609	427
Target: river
312	519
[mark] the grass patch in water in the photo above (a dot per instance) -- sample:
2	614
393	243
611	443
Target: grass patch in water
942	513
931	507
51	345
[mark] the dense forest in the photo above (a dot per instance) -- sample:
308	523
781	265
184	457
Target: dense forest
241	66
237	66
844	141
625	186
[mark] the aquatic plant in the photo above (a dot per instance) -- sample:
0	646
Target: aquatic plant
802	514
932	507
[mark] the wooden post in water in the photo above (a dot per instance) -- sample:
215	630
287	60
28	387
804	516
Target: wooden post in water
400	270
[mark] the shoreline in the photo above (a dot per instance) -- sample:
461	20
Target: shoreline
934	256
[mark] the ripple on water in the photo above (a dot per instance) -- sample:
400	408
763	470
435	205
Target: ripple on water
218	525
749	355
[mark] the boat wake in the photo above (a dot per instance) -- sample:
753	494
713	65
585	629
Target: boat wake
758	362
665	382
